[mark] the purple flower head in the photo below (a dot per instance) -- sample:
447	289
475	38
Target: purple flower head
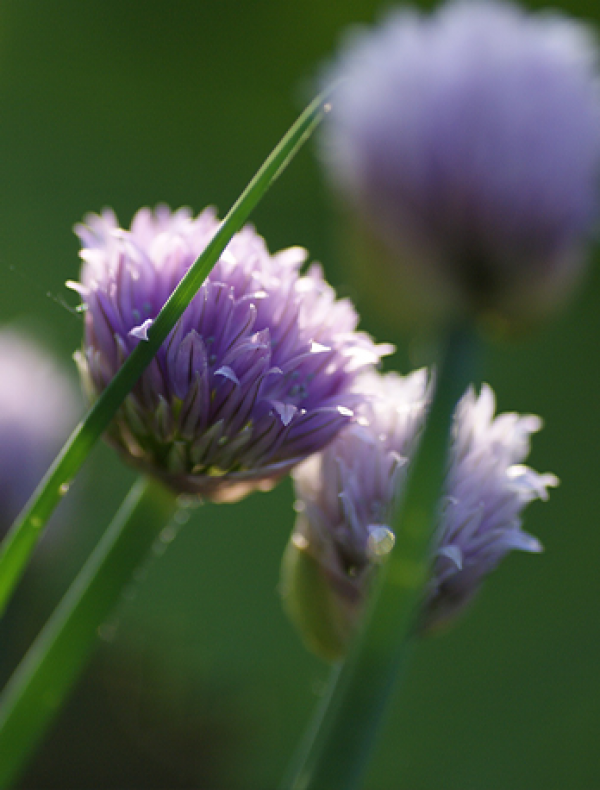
346	500
470	141
38	406
255	376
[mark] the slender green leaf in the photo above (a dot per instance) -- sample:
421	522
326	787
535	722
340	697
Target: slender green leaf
21	540
42	680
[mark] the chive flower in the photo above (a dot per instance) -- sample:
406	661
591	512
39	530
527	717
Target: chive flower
256	375
347	493
469	141
38	407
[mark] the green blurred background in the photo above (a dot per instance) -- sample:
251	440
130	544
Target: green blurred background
199	681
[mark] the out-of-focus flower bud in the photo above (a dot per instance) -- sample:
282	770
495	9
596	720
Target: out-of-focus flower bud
346	497
469	141
38	407
256	375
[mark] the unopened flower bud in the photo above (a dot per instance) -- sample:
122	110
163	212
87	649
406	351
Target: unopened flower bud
255	376
346	500
469	141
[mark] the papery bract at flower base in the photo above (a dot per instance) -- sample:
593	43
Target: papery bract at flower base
38	407
346	497
255	376
469	141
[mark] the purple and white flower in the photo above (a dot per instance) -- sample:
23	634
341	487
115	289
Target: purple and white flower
256	375
346	497
38	407
470	141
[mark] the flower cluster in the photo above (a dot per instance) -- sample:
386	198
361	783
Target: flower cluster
38	406
256	375
469	140
346	497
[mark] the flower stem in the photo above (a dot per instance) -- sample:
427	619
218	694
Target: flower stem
24	534
343	737
37	689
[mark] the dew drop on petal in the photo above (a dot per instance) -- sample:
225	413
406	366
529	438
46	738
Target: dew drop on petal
381	541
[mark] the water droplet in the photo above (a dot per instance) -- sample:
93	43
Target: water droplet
108	631
64	488
169	533
299	541
158	548
36	522
381	541
189	501
180	518
130	592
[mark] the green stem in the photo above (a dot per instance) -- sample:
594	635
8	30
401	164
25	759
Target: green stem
337	758
35	693
21	540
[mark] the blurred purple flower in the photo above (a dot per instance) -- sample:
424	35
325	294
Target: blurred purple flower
255	376
346	501
470	140
38	407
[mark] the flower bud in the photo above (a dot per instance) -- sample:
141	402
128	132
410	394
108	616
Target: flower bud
346	501
469	143
255	376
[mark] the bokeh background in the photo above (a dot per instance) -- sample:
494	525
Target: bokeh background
199	681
